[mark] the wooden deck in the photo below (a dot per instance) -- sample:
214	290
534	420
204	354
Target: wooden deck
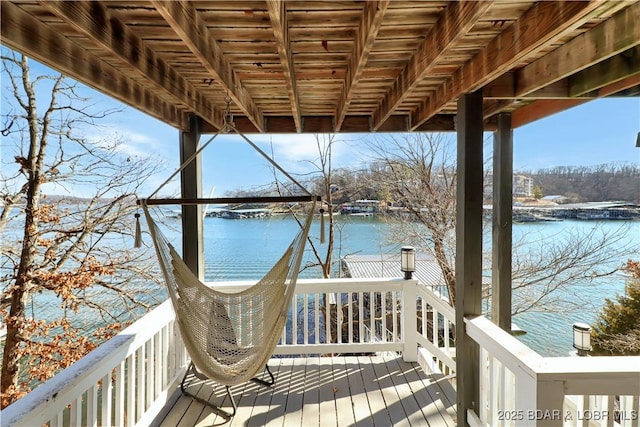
328	391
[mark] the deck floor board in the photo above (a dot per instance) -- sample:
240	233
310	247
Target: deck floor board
328	391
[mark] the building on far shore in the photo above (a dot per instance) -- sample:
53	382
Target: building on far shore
522	186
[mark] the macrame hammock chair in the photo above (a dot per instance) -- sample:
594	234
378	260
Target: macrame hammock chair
229	336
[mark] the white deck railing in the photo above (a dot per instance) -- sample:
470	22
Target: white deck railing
518	387
128	380
436	328
123	382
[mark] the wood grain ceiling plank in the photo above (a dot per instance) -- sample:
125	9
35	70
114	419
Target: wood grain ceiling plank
613	36
96	22
543	23
456	20
22	32
372	17
191	28
278	17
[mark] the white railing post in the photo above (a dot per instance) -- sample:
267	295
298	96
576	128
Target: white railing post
550	395
408	329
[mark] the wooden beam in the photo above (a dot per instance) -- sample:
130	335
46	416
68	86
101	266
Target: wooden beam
191	185
504	87
22	32
613	36
454	23
278	16
468	289
229	200
544	108
351	124
501	223
584	84
95	21
619	67
594	82
370	24
187	23
543	23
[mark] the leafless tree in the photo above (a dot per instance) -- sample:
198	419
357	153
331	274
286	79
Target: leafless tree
63	255
418	173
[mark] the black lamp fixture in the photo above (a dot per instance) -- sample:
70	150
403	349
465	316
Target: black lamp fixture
408	261
582	338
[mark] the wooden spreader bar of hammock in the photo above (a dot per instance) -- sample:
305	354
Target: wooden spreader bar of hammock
228	200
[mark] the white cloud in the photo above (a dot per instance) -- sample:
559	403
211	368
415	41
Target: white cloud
130	143
294	152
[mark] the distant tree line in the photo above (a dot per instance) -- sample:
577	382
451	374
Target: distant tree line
606	182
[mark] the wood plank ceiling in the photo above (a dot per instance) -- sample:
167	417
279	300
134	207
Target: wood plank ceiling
335	66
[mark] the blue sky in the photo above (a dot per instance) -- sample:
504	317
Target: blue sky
600	131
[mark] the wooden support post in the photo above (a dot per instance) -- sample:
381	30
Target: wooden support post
191	185
468	249
502	221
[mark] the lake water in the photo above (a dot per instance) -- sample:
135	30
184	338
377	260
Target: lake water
246	248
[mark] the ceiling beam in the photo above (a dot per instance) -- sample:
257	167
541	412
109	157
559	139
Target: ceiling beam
544	108
622	71
22	32
541	24
370	24
604	73
454	23
583	84
351	124
278	16
504	88
94	21
192	30
599	43
613	36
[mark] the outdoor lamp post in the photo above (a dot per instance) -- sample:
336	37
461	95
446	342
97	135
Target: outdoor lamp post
582	338
408	261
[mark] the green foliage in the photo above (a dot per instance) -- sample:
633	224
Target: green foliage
617	331
537	192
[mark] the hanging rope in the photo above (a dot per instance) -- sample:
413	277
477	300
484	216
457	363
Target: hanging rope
227	126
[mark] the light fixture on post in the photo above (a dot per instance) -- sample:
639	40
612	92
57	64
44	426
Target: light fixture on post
582	338
408	261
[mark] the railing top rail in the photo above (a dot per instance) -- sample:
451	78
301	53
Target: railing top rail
437	301
578	373
605	366
515	355
75	379
323	285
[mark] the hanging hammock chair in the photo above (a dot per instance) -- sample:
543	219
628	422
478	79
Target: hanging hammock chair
229	336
